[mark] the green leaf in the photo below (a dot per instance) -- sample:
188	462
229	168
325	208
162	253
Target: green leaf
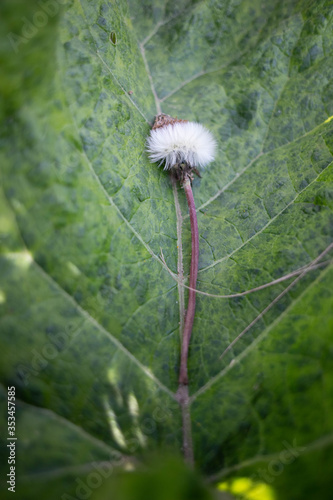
90	314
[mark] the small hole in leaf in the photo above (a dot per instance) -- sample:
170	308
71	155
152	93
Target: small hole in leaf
113	38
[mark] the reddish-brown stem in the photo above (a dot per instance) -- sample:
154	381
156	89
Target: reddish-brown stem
183	377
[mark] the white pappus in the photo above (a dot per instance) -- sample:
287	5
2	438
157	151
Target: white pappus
177	141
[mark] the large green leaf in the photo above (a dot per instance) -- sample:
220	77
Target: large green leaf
91	315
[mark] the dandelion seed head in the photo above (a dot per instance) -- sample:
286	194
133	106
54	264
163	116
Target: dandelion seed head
179	141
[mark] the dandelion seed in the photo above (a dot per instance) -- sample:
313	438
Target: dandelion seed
178	142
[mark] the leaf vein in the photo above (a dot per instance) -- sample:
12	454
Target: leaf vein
266	225
263	335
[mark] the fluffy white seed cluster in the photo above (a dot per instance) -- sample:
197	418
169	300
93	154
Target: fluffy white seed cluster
181	142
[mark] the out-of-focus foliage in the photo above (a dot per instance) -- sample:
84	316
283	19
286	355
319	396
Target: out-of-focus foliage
90	314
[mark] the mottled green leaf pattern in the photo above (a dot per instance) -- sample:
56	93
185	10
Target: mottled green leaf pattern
91	233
